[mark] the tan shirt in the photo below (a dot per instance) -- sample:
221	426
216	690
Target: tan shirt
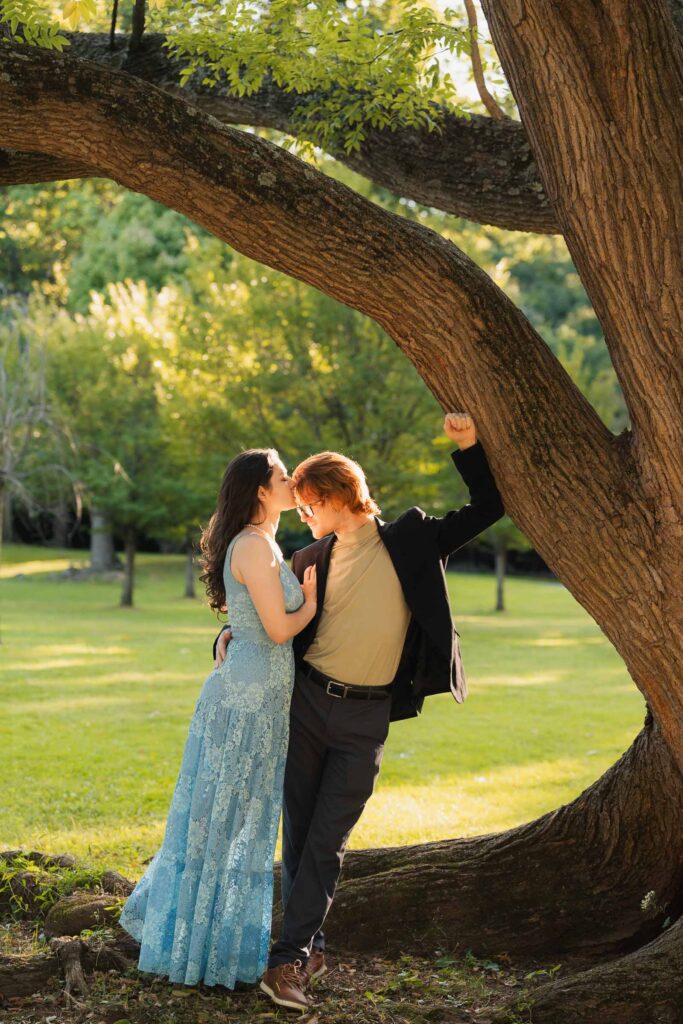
365	617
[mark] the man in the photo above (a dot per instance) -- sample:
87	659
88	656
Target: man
381	641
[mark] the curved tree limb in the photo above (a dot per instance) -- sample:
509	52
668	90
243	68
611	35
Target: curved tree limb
20	168
479	168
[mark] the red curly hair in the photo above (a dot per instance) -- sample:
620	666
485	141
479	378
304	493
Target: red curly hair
334	477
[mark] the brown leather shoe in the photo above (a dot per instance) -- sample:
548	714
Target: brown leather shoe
285	985
316	966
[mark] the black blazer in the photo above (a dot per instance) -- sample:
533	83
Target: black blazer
419	546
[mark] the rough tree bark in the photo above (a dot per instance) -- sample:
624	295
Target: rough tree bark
604	512
481	169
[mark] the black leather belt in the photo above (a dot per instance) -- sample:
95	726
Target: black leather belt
345	690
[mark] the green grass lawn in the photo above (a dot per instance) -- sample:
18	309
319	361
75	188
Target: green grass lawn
96	701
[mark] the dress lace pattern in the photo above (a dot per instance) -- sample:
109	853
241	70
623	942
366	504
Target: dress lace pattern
202	910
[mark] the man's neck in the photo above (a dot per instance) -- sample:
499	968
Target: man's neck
353	521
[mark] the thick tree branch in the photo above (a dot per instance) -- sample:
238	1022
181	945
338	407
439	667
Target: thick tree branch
20	168
280	211
479	168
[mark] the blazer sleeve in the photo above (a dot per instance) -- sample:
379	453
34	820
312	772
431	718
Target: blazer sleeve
484	508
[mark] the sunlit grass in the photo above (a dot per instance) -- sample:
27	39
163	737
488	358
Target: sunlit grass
96	702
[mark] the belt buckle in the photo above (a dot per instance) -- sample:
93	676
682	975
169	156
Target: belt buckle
333	682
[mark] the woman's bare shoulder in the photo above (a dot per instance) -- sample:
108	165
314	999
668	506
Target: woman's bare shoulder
253	548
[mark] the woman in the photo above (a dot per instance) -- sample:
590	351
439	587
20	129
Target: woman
202	910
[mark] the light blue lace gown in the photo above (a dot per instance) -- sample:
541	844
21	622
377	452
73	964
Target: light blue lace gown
202	910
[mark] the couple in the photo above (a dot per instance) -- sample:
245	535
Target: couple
315	664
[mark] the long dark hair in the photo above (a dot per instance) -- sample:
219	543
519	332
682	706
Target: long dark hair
238	504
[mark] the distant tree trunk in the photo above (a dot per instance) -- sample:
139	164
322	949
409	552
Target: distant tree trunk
102	555
3	511
501	565
129	570
190	590
6	520
60	525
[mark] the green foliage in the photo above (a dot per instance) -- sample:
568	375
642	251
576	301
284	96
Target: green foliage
44	228
243	355
137	240
33	445
30	23
354	66
103	374
357	66
288	366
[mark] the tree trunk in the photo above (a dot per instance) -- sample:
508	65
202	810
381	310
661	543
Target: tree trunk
501	564
190	590
129	570
102	555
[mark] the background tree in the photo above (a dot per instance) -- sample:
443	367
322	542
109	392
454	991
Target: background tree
103	369
33	447
504	536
